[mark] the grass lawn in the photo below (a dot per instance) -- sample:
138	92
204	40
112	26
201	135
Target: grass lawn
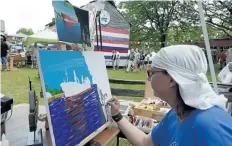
15	83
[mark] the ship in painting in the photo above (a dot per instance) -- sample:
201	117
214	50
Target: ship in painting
67	19
71	88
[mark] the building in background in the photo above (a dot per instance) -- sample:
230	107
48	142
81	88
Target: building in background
216	45
2	26
115	30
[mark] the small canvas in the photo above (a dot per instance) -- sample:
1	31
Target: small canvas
72	23
76	88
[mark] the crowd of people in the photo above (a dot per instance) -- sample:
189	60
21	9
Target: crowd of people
30	55
137	60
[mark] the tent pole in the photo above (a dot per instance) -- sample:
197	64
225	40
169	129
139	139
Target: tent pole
96	33
100	31
207	45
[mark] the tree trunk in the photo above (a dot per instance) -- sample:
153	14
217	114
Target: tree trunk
163	40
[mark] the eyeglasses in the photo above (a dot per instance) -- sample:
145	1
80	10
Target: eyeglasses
151	73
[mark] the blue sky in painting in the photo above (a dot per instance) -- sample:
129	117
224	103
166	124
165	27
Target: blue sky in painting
67	32
61	8
54	63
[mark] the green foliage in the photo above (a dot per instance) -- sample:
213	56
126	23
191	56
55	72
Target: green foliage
25	31
55	91
172	21
150	19
177	34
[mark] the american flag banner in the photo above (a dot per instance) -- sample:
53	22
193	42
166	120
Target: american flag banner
115	32
113	39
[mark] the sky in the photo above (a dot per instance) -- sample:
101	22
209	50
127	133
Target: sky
33	14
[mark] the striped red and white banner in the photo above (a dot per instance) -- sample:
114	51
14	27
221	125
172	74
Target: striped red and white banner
113	39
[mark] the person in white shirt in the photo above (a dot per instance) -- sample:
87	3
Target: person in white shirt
33	55
130	60
117	60
136	59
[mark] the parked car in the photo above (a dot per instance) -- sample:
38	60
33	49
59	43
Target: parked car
16	48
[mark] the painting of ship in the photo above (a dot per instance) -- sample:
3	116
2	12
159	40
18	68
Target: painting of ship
75	87
68	19
67	23
76	92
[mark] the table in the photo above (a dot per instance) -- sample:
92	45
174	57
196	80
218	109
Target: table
17	128
104	138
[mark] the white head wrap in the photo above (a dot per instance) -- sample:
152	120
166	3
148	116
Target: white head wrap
187	65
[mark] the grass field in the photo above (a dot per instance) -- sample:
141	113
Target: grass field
15	83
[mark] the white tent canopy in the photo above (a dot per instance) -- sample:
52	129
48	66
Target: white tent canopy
20	35
45	36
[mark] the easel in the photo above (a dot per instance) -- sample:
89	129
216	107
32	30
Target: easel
103	135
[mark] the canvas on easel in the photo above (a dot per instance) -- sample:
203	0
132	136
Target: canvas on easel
72	23
76	87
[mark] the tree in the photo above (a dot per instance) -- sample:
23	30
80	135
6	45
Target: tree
25	31
150	19
169	21
219	14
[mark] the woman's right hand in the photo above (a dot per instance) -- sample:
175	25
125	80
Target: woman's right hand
115	106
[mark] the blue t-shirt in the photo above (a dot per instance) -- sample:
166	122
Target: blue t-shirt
212	127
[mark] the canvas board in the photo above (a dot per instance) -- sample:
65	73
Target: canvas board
72	23
76	88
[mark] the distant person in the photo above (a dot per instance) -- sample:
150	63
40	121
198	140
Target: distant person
229	55
33	55
113	59
117	60
222	59
146	60
141	60
130	60
4	53
137	59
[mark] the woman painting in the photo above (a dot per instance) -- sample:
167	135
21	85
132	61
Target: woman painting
198	116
